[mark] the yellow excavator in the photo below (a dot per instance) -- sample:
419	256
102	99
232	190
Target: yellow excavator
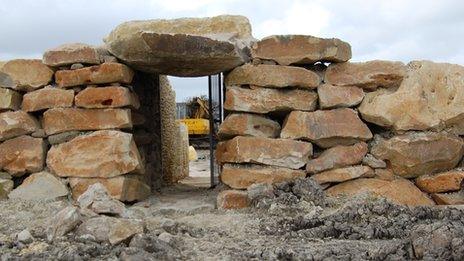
195	114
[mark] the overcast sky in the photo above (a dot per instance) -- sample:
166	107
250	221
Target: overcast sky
402	30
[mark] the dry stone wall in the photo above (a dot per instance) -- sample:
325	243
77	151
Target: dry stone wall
301	109
76	118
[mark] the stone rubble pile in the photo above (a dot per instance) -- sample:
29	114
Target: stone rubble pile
301	109
67	119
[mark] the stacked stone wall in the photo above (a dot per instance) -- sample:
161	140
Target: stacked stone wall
301	109
74	119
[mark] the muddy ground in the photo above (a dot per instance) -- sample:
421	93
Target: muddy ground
294	221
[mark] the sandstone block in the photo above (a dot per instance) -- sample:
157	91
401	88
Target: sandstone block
123	230
233	199
97	74
453	198
16	123
343	174
9	99
47	98
374	162
127	188
274	152
72	53
442	182
331	96
244	124
384	174
265	100
367	75
432	94
98	227
63	222
273	76
99	154
27	75
326	128
182	47
301	49
40	186
22	154
242	176
5	79
63	137
415	154
107	97
400	191
337	157
59	120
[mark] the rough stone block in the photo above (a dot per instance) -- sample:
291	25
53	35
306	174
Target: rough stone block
103	154
301	49
68	119
337	157
273	76
40	186
442	182
453	198
16	123
343	174
367	75
233	199
47	98
107	97
244	124
68	54
415	154
400	191
97	74
242	176
265	100
326	128
22	154
274	152
27	75
331	96
127	188
9	99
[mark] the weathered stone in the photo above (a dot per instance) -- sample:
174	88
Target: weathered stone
301	49
442	182
63	137
97	199
27	75
326	128
124	229
72	53
343	174
47	98
107	97
432	95
242	176
274	152
415	154
384	174
59	120
244	124
337	157
97	74
400	191
99	154
5	80
40	186
331	96
16	123
125	188
24	237
182	47
233	199
264	100
9	99
453	198
6	186
273	76
76	66
22	154
374	162
98	228
63	222
367	75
